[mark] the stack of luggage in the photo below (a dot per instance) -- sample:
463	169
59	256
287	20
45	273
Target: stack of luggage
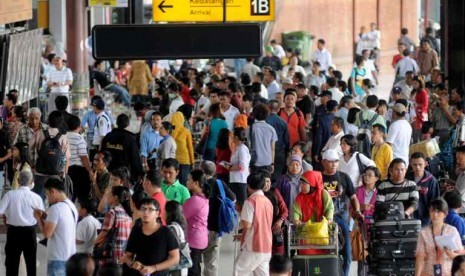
393	241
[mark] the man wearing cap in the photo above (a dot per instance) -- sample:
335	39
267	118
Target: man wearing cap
396	96
400	133
340	187
406	84
270	59
102	126
59	81
294	117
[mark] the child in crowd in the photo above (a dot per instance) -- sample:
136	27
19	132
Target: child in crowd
86	231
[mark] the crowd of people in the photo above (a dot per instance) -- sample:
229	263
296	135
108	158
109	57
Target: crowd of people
286	145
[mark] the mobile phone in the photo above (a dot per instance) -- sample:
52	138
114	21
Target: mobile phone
225	164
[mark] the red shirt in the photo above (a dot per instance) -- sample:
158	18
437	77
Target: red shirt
421	100
396	59
222	155
185	95
295	122
160	197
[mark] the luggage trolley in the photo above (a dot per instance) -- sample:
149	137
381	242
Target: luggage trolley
323	258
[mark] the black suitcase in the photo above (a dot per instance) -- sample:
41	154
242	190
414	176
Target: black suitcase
393	249
390	210
393	267
396	229
310	265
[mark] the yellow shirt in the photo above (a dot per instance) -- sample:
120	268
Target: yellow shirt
183	138
382	155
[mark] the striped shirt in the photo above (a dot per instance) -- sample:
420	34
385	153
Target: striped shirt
60	76
406	193
77	148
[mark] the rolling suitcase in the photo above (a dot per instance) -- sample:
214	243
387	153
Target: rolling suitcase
390	210
394	249
315	265
396	229
393	267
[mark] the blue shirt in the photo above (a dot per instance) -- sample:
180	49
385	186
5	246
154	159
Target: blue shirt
215	126
281	130
457	221
89	119
149	143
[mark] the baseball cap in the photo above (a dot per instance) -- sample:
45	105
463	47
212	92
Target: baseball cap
399	108
269	49
99	103
325	93
330	155
288	81
396	90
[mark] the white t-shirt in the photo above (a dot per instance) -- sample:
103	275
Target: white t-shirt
351	167
240	156
175	104
336	94
60	76
86	231
101	128
62	243
369	66
399	135
230	116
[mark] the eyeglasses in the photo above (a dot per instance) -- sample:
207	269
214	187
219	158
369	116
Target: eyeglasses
150	210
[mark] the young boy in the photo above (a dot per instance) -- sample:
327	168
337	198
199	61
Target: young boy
86	231
458	112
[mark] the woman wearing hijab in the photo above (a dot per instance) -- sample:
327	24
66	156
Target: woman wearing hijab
313	202
184	146
288	184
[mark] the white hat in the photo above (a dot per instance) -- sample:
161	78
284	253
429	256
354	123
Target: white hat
330	155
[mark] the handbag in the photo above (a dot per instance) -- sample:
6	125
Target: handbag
361	166
185	260
278	238
253	152
358	247
201	146
316	233
106	249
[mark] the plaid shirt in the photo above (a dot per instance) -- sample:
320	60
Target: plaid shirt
124	225
27	135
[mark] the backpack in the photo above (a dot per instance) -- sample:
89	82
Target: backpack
50	157
364	134
227	217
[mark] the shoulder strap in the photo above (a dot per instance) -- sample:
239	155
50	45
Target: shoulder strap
46	134
71	209
251	136
373	119
220	186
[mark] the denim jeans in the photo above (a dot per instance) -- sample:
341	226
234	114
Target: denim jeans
56	268
342	220
209	154
122	93
184	171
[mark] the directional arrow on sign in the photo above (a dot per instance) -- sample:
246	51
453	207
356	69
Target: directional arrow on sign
161	6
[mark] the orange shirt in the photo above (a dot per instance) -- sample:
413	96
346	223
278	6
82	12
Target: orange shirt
160	197
295	122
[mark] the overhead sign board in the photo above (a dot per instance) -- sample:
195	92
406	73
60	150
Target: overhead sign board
173	41
109	3
15	10
212	10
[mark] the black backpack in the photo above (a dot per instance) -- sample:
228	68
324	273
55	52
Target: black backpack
364	134
50	157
